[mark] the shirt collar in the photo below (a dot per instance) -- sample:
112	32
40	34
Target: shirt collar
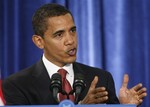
52	68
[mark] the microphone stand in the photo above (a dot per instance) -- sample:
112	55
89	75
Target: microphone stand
67	94
55	91
76	96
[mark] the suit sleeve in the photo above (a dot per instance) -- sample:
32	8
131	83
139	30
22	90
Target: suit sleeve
112	98
13	94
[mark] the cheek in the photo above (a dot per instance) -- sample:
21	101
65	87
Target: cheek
76	40
54	50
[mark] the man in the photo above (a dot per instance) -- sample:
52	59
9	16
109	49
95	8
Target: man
55	33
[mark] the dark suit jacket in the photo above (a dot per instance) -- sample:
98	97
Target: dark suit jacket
31	86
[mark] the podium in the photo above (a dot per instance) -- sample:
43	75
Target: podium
68	103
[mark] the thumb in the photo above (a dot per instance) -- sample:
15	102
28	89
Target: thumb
94	82
125	81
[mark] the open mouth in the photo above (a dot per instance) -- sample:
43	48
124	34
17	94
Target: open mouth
72	52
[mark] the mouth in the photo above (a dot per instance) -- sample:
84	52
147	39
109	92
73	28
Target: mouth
72	52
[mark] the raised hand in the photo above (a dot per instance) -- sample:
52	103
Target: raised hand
134	95
95	95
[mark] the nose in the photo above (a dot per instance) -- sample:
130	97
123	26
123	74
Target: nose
69	40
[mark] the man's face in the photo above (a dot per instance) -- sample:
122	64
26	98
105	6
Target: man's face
60	40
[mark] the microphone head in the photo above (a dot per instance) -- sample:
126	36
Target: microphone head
56	82
79	81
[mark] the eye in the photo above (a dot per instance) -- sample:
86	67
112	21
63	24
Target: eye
73	29
58	35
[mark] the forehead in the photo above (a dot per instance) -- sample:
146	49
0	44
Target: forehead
63	20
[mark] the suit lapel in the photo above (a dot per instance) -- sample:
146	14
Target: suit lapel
78	69
41	82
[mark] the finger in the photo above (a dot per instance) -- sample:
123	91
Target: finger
137	87
93	84
101	94
100	89
143	95
140	101
101	99
141	91
125	81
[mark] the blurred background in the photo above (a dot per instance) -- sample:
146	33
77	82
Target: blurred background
112	34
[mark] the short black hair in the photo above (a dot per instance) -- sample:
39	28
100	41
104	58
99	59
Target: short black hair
39	19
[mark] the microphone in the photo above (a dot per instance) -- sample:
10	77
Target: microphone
56	85
78	85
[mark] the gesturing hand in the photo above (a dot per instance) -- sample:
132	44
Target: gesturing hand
134	95
95	95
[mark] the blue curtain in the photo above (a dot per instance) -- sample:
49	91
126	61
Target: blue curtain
112	34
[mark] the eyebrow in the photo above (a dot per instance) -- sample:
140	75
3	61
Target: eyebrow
60	31
74	27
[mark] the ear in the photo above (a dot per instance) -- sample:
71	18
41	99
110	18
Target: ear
38	41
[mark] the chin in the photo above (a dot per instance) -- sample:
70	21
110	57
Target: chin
71	60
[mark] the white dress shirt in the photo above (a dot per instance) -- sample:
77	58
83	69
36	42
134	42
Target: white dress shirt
52	68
